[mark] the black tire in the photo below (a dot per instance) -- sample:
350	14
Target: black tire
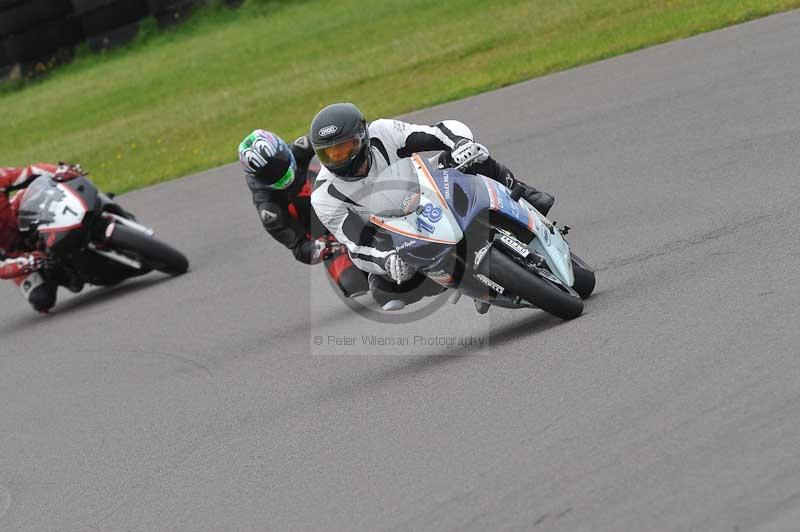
149	250
26	15
6	4
5	59
42	41
110	17
84	6
114	38
171	12
584	277
539	292
158	7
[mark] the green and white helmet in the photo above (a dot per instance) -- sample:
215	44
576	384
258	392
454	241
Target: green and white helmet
268	159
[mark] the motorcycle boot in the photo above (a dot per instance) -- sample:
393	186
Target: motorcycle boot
541	201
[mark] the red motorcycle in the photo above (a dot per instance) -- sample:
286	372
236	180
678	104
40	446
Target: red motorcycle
88	237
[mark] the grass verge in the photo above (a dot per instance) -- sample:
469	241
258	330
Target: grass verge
179	102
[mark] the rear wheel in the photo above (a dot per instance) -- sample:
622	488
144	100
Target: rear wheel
548	295
149	250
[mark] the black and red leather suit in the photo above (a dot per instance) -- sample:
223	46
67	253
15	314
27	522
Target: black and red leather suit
288	217
19	261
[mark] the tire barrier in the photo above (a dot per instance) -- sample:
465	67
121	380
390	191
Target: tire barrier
171	12
18	17
5	61
109	23
35	35
43	40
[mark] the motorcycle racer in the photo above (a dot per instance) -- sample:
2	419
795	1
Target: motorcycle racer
280	182
354	153
19	262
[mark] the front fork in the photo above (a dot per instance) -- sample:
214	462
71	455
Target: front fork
109	253
525	256
114	219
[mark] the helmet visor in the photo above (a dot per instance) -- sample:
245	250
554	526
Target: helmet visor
284	182
274	173
340	153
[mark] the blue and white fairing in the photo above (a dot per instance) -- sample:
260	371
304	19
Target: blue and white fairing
427	211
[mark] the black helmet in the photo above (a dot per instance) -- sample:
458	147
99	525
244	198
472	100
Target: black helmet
340	139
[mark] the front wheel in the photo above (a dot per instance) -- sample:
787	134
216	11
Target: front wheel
149	250
584	277
549	296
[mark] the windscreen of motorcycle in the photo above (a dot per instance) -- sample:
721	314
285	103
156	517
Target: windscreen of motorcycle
49	206
396	191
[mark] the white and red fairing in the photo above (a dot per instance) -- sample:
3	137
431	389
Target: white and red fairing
51	208
68	213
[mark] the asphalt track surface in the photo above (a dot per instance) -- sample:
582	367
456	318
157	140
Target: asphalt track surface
201	403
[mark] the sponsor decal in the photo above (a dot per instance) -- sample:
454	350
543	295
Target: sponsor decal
531	220
431	213
495	195
302	142
327	131
480	254
405	244
516	245
267	216
545	236
409	201
490	189
440	276
491	284
422	225
446	180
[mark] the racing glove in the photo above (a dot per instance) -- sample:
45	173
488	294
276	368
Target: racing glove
310	251
469	150
24	265
319	249
332	247
398	269
67	171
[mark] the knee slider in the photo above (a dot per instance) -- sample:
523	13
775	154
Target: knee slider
42	297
